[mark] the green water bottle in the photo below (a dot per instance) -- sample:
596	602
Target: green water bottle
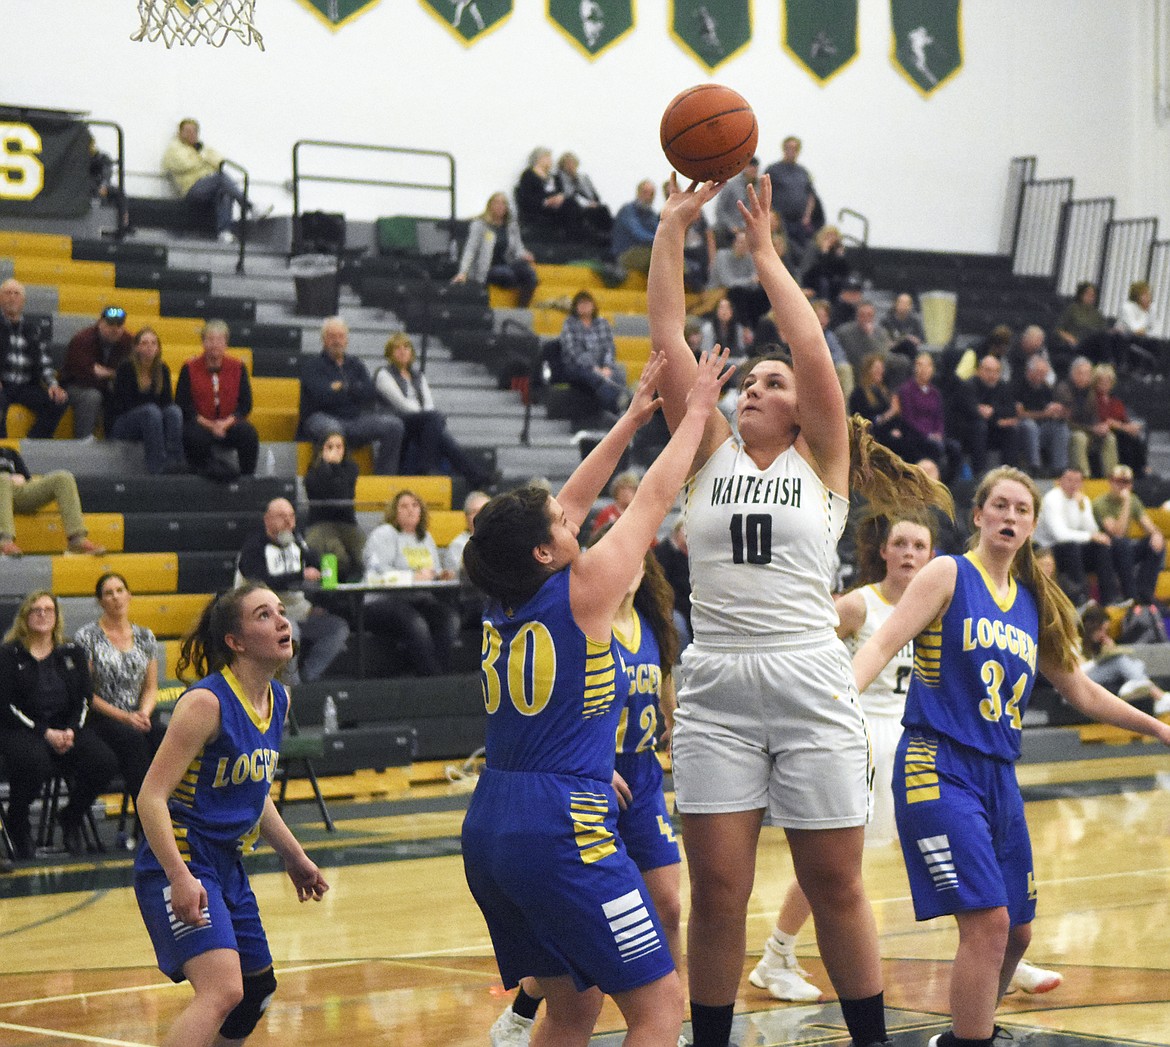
328	571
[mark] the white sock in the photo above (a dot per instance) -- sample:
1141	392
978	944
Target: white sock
782	942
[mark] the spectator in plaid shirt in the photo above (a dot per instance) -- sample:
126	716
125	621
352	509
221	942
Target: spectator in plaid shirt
26	369
589	356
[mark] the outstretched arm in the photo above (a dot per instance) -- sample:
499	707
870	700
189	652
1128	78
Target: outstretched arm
1097	703
301	869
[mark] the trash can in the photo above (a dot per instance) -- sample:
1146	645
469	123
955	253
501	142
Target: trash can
938	316
315	276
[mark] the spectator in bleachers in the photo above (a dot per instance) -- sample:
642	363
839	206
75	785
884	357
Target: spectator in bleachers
277	556
338	395
844	306
423	623
735	272
986	410
1134	318
577	186
923	412
215	396
904	326
722	327
1137	561
141	406
471	601
331	484
633	230
1043	425
1133	345
1132	447
22	493
195	172
824	267
43	732
589	355
793	196
1090	439
102	186
1082	328
699	251
495	254
1067	526
862	336
91	358
428	442
873	400
727	217
950	534
1115	668
27	375
545	212
123	668
622	489
674	556
1032	344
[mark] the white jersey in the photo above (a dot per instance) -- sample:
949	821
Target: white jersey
887	694
763	546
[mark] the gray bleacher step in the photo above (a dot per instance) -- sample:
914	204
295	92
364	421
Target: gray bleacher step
84	458
491	401
19	577
550	462
77	611
502	431
39	299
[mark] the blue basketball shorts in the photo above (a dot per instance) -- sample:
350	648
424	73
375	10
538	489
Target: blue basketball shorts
961	824
644	826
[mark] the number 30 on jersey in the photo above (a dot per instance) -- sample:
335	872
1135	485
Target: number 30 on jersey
528	664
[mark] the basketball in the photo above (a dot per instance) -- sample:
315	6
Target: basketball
709	133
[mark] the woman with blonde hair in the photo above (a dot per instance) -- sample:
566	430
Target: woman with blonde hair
1132	445
142	407
495	253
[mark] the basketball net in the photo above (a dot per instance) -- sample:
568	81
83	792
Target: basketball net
190	21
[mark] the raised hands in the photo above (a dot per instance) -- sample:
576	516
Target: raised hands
686	203
712	376
757	213
645	400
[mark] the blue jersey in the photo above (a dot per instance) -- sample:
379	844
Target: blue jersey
989	649
220	799
548	689
637	730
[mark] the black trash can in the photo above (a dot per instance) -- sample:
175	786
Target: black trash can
315	277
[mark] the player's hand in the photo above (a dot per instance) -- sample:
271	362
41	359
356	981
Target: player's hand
685	204
713	375
757	213
624	796
645	401
188	900
307	879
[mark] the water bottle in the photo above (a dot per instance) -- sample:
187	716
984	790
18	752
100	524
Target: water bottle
328	571
329	717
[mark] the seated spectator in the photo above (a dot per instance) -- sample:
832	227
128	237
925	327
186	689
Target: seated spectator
824	267
1134	318
734	271
338	396
1043	429
471	601
987	418
1090	438
123	669
824	311
793	196
43	732
279	557
91	358
1032	344
1116	668
698	252
633	230
1137	561
923	413
673	554
331	484
424	624
904	326
1081	328
102	186
578	187
728	219
495	254
22	493
196	173
215	396
27	376
845	305
428	442
1132	445
141	406
950	536
864	335
722	328
1067	526
589	355
545	212
622	489
873	400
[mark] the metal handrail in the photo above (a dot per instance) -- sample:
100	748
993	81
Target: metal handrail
123	207
298	176
848	212
243	211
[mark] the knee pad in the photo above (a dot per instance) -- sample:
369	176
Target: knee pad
258	992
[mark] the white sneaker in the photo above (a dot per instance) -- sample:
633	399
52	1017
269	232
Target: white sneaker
779	973
1033	980
227	237
510	1030
1162	705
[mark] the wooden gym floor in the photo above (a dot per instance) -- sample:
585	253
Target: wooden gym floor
397	952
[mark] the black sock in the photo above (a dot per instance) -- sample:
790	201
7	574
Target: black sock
711	1026
949	1039
866	1019
524	1005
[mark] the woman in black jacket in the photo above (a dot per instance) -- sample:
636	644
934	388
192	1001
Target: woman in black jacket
45	689
331	484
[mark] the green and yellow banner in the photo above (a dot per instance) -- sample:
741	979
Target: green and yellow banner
337	13
711	31
821	35
469	21
927	41
592	26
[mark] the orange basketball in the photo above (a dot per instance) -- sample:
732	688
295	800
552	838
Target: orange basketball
709	133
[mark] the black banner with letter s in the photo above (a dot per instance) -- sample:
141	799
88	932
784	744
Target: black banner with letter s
44	168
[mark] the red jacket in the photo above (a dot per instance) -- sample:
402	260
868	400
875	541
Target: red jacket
196	392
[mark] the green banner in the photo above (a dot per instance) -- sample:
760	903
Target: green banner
711	31
336	13
592	26
821	35
927	43
469	21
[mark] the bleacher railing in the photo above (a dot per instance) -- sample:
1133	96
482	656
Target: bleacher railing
1081	244
1038	229
1021	171
120	167
1127	258
1160	277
